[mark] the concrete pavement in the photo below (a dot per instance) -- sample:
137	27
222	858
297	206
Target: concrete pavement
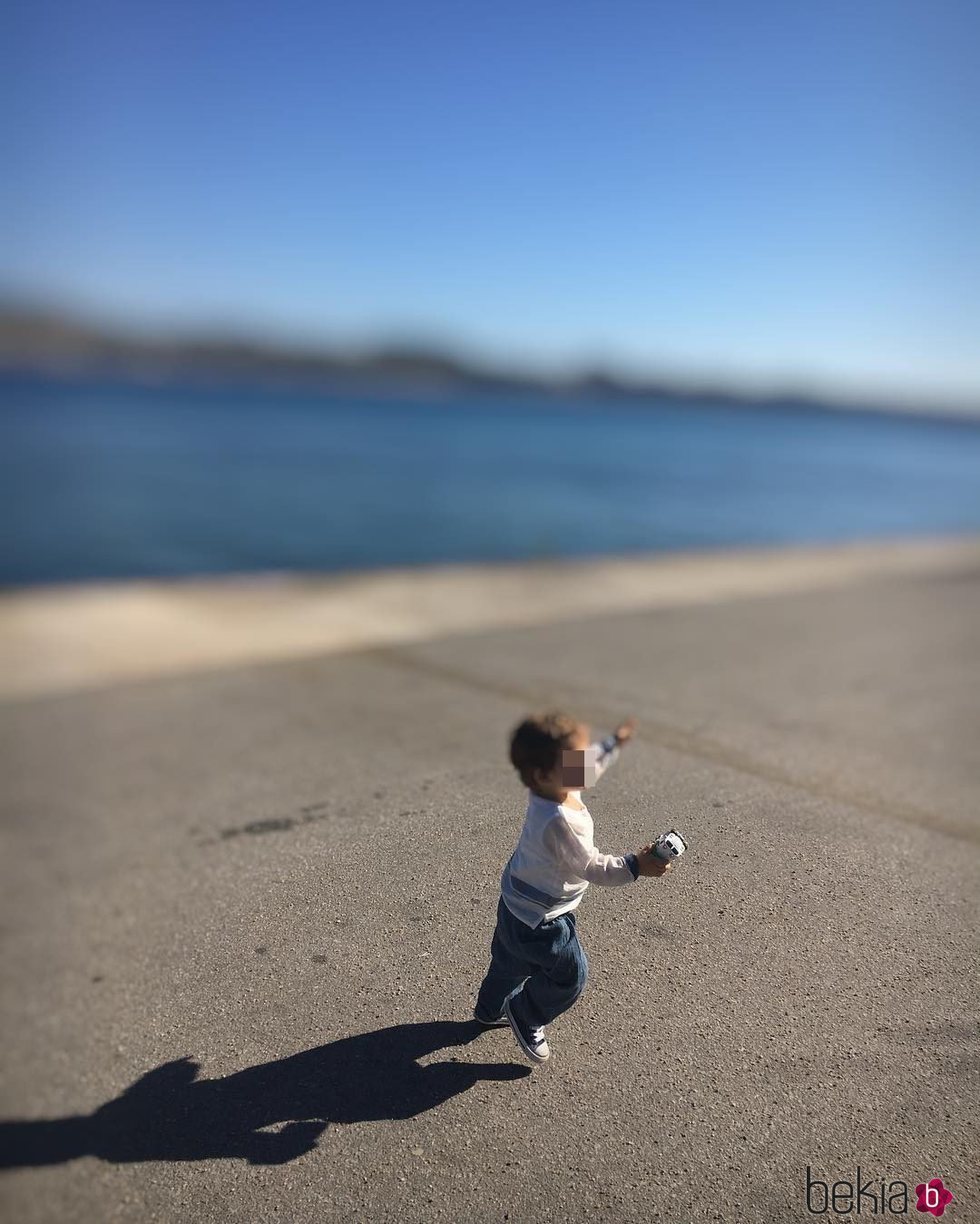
245	913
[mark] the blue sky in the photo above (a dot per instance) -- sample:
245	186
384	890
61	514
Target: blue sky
772	192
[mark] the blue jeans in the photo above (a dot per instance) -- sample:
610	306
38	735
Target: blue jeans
548	960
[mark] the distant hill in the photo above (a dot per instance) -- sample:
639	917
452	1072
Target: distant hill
46	343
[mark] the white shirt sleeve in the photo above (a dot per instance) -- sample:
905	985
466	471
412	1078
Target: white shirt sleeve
607	753
580	859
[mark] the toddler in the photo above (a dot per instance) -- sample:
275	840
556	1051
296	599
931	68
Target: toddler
537	966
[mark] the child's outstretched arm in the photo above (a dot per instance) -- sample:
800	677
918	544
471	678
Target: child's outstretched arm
607	750
580	859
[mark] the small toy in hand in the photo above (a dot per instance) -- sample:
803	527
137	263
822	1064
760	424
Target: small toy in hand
669	845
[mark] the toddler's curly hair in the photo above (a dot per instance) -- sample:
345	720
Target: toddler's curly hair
537	742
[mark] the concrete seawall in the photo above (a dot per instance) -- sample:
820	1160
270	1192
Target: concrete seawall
64	638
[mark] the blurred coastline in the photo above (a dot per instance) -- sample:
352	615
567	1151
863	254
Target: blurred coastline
55	345
179	505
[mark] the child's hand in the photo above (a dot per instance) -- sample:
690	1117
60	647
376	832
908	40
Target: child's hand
625	731
650	864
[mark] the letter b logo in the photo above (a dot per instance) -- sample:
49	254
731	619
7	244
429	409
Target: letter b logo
811	1186
933	1197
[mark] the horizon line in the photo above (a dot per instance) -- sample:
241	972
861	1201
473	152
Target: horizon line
467	361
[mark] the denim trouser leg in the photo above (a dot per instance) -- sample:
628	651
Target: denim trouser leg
549	957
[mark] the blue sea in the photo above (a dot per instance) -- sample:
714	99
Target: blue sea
113	481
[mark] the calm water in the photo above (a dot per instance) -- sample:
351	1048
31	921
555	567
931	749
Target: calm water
112	482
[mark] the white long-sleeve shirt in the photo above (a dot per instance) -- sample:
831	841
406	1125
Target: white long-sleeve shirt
556	860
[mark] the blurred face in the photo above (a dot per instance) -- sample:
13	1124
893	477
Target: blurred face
576	767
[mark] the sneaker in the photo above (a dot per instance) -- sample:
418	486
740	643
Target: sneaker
530	1037
481	1019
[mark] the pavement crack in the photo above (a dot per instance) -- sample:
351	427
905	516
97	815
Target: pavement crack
690	743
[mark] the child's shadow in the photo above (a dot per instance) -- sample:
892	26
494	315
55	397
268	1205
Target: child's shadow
168	1115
